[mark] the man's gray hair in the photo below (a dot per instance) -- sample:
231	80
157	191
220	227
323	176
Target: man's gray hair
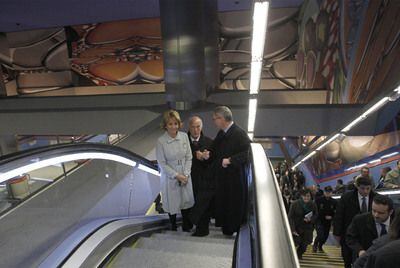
194	118
225	112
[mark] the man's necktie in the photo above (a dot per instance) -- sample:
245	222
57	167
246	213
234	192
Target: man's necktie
364	206
383	230
195	144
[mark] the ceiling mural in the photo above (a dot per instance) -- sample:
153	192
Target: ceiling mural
35	60
347	47
376	60
321	59
235	49
117	53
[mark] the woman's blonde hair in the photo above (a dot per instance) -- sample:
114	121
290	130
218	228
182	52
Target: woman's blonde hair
168	115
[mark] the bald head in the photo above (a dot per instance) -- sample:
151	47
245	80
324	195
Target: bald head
195	126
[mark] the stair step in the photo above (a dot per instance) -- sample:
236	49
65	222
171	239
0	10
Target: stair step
194	239
146	258
213	234
178	246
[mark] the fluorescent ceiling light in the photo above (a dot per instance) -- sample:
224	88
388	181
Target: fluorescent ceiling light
308	156
376	106
252	114
374	161
255	76
149	170
353	123
372	109
297	164
357	166
389	155
260	17
390	192
60	159
325	143
251	135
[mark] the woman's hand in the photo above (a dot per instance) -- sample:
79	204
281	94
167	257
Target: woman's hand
182	178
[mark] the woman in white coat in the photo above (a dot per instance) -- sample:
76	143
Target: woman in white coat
174	158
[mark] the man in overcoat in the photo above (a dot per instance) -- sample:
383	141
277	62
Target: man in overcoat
229	152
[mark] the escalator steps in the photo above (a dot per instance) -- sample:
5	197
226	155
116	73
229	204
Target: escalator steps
177	249
193	239
330	259
182	246
146	258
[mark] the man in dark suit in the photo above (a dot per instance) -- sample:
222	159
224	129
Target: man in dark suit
366	227
229	154
203	185
350	204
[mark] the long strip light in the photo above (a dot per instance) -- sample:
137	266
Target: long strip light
60	159
255	76
252	114
353	123
389	155
308	156
260	18
334	137
372	109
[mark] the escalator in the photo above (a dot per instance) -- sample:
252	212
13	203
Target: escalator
96	217
177	249
330	258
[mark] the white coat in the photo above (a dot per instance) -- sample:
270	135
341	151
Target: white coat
174	157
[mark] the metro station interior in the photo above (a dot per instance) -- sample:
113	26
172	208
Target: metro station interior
315	84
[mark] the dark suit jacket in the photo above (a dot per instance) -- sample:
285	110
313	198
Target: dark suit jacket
385	257
203	183
376	244
361	232
347	207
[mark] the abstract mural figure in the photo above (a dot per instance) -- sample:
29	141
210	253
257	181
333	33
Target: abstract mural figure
118	53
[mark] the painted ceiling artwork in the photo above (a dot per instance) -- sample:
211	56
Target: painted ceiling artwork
118	53
35	60
348	48
279	66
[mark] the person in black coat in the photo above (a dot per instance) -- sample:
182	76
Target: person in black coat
203	184
302	216
349	205
326	206
229	152
393	234
385	257
366	227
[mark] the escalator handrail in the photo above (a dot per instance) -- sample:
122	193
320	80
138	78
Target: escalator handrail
266	193
58	149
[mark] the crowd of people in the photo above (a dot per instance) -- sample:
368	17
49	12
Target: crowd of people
203	178
363	222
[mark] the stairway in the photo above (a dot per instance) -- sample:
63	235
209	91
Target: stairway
330	259
177	249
